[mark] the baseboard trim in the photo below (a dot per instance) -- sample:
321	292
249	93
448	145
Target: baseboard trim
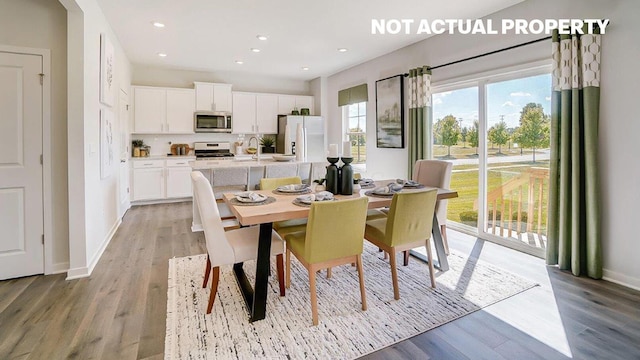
81	272
621	279
196	227
60	268
160	201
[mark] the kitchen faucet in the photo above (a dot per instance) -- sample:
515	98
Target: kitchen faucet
256	137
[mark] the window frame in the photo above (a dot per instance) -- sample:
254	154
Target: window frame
345	128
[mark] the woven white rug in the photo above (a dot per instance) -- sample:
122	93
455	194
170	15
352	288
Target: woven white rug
344	331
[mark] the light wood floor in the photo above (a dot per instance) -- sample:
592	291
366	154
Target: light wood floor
119	312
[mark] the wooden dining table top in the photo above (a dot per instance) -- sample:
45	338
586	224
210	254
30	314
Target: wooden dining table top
284	208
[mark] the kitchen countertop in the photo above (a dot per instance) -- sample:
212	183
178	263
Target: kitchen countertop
211	164
164	157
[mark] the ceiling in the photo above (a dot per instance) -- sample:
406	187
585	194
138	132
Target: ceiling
211	35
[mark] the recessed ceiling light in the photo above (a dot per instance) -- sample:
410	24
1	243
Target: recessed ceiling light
255	50
162	54
261	37
342	49
305	68
158	24
239	62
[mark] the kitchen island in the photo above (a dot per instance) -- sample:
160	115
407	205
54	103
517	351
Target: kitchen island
256	170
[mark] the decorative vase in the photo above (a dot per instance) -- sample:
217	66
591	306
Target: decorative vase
346	177
318	188
333	185
268	150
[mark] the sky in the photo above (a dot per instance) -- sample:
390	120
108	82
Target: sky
503	98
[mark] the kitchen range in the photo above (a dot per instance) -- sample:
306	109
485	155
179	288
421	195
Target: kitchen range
212	150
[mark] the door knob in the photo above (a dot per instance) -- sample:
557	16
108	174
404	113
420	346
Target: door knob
123	160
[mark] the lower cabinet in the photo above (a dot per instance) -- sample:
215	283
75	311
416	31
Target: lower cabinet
179	182
148	184
157	179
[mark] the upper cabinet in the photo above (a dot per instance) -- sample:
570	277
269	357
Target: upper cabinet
287	103
213	97
255	113
163	110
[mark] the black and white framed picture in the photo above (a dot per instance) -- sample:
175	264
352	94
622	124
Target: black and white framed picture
107	64
390	112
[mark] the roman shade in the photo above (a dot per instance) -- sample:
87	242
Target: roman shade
353	95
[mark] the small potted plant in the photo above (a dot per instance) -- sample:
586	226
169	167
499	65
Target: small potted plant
267	143
136	145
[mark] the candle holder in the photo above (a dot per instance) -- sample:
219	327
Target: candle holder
346	176
333	176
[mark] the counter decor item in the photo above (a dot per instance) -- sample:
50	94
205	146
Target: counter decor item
267	143
135	147
319	185
304	111
346	176
333	176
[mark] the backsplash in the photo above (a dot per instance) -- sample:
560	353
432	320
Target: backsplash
160	143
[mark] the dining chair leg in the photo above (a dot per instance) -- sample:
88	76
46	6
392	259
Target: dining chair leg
329	273
363	293
445	242
314	299
432	274
406	258
206	272
280	267
288	276
394	275
214	288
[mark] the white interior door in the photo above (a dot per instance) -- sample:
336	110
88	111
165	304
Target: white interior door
123	184
21	197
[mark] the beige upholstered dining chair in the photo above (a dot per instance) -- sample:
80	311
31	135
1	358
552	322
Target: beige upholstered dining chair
228	247
436	173
231	179
323	244
405	228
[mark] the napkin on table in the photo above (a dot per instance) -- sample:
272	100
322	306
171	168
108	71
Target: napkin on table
321	196
249	195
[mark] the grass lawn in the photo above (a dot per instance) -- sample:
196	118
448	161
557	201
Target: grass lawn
465	180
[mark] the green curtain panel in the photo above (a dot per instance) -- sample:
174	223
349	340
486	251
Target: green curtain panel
574	239
419	116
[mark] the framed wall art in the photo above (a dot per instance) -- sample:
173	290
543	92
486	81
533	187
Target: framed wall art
390	112
107	154
107	70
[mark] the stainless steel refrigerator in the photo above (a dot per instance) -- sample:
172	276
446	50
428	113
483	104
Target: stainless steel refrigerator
314	127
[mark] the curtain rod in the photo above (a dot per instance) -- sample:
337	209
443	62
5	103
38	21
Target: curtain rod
486	54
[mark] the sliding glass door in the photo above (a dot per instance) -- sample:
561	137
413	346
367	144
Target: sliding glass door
495	131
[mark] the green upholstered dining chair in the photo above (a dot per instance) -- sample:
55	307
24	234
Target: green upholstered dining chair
323	244
228	247
273	183
287	226
407	226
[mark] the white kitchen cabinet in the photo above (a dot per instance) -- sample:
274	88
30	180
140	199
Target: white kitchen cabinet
178	182
149	109
244	113
181	104
213	97
148	183
267	113
286	103
163	110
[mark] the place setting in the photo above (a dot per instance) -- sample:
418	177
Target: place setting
366	183
307	200
292	189
250	198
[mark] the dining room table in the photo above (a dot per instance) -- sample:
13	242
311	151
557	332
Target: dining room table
281	207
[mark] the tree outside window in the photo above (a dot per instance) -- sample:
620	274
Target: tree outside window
357	131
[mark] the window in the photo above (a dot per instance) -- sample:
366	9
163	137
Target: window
356	130
500	154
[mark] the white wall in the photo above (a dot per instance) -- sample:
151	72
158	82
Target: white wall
93	205
43	24
154	76
620	170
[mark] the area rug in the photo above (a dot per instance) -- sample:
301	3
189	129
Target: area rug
344	331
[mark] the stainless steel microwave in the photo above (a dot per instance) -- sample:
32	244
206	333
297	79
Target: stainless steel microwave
219	122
